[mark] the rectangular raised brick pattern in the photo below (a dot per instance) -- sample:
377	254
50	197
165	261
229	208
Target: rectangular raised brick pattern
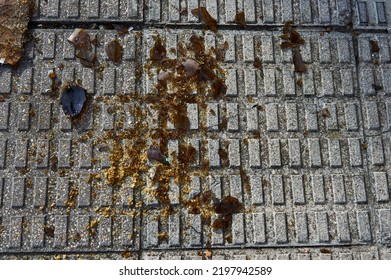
18	192
40	191
259	228
37	231
278	193
280	227
3	153
238	228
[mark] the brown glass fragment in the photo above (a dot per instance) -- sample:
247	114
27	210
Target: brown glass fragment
187	154
191	67
222	222
240	19
84	51
257	63
158	52
245	179
325	113
163	76
49	231
207	74
296	38
197	45
286	45
374	46
298	61
219	89
114	51
208	197
325	251
224	157
291	37
121	29
228	205
287	26
180	119
154	153
225	208
205	17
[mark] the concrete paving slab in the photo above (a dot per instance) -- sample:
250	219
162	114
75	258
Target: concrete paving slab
308	154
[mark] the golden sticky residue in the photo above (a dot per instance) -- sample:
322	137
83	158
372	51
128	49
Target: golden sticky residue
91	228
116	173
163	236
71	202
126	254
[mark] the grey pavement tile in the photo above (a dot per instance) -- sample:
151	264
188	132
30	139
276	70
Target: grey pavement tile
372	14
308	154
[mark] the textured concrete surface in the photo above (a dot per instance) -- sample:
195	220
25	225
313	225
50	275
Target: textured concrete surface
317	153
